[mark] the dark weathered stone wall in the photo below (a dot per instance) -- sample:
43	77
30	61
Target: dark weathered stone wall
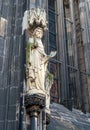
11	64
12	55
84	7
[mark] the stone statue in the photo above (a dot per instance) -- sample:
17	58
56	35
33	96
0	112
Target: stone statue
36	62
38	78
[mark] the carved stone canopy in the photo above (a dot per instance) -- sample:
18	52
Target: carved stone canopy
34	18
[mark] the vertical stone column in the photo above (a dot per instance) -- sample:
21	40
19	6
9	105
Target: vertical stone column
72	4
84	8
34	104
62	49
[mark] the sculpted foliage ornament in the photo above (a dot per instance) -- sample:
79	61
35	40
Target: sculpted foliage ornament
38	78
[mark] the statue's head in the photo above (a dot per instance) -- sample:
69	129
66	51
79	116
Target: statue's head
38	32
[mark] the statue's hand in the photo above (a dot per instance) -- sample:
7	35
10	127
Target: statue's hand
53	53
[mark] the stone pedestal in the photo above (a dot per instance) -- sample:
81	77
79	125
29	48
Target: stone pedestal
34	104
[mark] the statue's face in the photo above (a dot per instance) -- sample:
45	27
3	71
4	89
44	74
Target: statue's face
38	33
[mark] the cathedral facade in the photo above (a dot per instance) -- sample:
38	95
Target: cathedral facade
68	33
